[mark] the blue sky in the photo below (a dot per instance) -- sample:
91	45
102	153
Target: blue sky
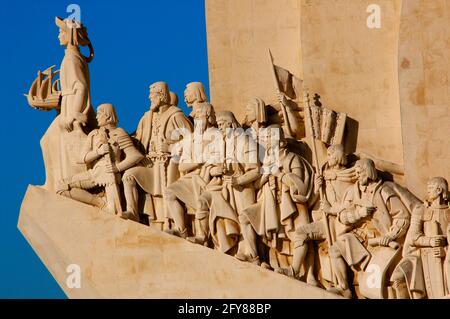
136	43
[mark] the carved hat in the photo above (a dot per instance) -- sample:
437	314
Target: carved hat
260	110
79	34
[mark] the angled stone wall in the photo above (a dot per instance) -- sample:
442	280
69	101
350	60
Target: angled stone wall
124	259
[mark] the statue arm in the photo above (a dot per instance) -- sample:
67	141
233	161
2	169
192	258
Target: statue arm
400	218
132	155
352	215
415	234
250	176
88	154
188	167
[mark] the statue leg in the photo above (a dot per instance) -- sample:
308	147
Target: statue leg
76	188
176	213
399	285
303	235
340	271
201	220
131	197
249	236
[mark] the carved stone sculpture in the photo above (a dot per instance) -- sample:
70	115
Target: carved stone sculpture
194	177
109	151
158	131
374	223
425	269
282	202
194	95
247	190
335	180
66	134
229	190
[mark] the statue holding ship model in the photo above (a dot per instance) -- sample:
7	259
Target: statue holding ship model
70	97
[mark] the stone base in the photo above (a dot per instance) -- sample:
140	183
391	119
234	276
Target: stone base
124	259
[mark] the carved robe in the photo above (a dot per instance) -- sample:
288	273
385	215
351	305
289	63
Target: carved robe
274	216
225	201
60	148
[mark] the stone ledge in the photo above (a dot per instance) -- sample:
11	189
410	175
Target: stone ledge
123	259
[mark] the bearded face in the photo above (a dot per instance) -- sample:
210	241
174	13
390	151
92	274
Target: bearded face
155	99
433	191
189	97
363	176
331	159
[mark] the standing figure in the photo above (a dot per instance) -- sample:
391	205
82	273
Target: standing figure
194	95
65	136
186	190
109	151
282	202
425	269
158	132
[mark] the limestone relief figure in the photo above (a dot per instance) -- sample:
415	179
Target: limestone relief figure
229	190
425	269
194	176
282	202
158	131
75	119
109	151
334	181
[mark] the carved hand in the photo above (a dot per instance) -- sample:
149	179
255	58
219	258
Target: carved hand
282	98
318	182
216	171
67	123
438	241
112	168
162	148
103	149
438	252
366	211
385	240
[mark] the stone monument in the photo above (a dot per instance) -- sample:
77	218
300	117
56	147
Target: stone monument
303	172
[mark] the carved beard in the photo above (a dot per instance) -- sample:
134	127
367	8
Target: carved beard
155	106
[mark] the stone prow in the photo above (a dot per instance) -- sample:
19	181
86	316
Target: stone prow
124	259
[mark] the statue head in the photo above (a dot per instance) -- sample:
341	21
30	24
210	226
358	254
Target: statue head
204	117
437	187
366	171
106	115
194	93
159	95
173	98
226	120
255	110
272	136
74	33
336	155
